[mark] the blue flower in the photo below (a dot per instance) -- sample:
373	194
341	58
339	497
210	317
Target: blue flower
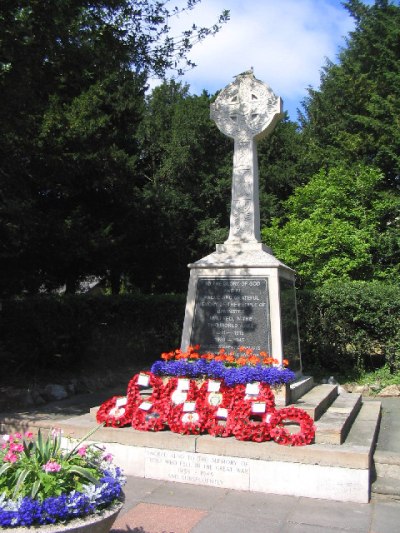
27	512
217	370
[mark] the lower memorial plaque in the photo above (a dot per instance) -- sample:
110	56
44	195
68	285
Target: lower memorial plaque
231	312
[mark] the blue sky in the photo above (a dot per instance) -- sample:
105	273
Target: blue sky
285	41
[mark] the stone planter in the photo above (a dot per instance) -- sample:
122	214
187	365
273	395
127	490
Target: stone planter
95	523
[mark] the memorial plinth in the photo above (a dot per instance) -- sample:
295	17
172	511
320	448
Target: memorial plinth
242	295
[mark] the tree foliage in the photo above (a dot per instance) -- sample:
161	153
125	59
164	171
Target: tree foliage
335	228
73	76
354	115
186	187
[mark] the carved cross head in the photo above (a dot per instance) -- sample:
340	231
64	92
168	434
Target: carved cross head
246	109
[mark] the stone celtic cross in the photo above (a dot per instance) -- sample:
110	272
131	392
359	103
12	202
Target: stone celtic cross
246	110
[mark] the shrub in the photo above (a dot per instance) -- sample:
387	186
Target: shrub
79	332
347	326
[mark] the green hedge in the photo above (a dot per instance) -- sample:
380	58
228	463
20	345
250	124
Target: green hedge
351	326
82	332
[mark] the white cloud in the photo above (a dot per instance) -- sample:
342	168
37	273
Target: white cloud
286	41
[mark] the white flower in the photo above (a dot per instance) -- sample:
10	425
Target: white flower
92	492
9	505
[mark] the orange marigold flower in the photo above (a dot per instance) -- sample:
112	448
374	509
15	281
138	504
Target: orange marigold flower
285	362
253	360
249	351
230	358
241	361
242	349
263	354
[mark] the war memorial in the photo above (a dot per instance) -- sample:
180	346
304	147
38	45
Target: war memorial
231	407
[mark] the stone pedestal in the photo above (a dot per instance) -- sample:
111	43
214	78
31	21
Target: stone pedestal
242	297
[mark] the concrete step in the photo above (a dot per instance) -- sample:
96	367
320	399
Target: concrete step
387	486
300	387
365	428
316	401
386	474
335	423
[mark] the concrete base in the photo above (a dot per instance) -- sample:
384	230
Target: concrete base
328	471
242	473
336	467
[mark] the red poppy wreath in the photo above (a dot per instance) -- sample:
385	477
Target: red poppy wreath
179	390
189	418
282	436
251	420
115	412
218	399
151	416
254	392
140	382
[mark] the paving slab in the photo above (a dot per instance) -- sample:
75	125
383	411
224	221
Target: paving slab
385	517
184	495
249	504
151	518
355	517
153	507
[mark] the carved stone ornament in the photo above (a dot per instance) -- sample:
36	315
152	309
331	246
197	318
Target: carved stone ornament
246	110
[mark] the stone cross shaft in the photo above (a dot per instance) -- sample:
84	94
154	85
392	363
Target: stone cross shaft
246	110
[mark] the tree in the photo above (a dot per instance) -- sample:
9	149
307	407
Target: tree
353	116
72	78
186	165
334	229
281	168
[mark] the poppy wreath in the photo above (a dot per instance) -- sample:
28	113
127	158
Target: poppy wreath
283	436
214	426
265	394
172	387
247	424
134	389
151	416
192	422
111	415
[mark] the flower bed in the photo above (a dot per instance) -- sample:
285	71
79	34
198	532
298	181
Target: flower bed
41	483
243	368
